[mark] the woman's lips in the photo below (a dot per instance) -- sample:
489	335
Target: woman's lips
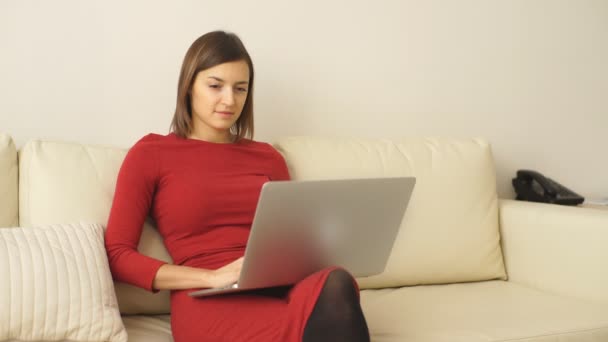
225	113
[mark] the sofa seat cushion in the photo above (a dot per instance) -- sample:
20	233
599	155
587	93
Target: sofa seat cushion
148	328
484	311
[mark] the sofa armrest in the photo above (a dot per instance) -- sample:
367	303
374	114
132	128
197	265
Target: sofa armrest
556	248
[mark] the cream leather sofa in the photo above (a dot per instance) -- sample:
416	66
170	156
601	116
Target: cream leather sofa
466	266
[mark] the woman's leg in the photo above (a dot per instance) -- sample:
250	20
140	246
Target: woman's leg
256	316
337	315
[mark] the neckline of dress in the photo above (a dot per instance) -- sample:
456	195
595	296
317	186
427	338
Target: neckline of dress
203	142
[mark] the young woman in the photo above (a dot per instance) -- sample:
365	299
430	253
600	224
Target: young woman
201	183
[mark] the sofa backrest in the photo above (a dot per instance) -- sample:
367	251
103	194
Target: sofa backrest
64	182
8	182
450	230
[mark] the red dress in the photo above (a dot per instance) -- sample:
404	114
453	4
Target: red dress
203	196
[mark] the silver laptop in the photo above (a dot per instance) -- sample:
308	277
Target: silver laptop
300	227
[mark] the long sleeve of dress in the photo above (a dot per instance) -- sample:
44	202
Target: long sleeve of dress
279	171
135	188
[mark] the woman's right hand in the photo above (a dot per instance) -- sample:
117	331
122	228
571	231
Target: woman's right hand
226	275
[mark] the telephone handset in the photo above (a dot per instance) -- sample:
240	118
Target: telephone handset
533	186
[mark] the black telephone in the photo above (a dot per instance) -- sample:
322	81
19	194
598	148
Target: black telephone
533	186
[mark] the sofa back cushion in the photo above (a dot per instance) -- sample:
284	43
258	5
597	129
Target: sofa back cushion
450	230
64	182
8	182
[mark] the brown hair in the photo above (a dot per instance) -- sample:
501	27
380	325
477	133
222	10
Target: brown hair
207	51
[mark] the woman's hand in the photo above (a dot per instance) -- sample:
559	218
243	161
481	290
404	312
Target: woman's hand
226	275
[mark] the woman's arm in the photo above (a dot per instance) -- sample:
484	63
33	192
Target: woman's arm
174	277
135	188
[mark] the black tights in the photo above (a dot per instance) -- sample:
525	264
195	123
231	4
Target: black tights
337	315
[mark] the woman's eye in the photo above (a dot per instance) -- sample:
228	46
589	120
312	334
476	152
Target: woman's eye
243	90
214	86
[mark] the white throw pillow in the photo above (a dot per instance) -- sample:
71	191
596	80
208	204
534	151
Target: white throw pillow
56	285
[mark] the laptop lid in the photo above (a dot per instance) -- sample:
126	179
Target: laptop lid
300	227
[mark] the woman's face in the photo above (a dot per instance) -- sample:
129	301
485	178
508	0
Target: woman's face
218	96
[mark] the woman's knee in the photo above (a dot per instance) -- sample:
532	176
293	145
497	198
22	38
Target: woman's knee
341	283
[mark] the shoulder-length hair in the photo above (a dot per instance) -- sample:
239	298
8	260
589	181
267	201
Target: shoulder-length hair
207	51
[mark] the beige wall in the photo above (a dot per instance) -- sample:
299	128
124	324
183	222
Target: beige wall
529	76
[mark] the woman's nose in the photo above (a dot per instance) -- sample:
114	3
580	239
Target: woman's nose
228	97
